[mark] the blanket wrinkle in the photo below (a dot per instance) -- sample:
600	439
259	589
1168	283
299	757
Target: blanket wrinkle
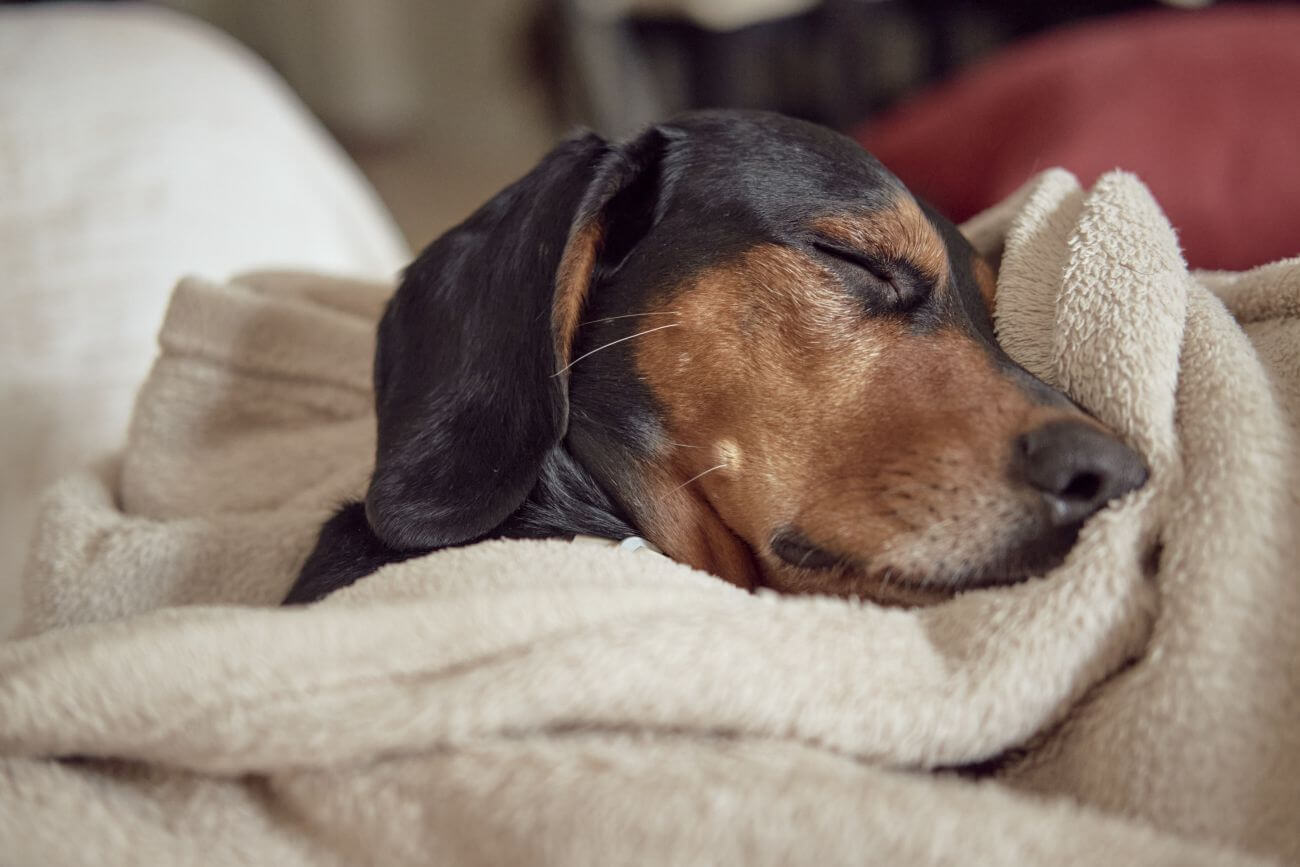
448	653
565	703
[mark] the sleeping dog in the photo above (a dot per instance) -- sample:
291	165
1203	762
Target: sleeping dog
741	338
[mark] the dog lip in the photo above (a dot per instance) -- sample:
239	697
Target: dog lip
796	549
1016	564
1028	560
937	588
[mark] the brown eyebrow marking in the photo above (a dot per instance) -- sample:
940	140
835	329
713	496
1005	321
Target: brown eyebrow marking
898	231
986	279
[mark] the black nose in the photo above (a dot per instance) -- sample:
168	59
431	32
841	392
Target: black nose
1077	468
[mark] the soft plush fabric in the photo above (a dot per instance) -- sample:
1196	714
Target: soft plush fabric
567	703
1202	105
135	144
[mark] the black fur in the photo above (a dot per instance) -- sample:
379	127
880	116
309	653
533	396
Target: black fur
346	550
477	435
564	502
466	399
471	411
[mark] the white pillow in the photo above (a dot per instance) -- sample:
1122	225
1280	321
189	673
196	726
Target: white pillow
137	145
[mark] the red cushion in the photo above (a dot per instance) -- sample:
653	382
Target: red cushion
1203	106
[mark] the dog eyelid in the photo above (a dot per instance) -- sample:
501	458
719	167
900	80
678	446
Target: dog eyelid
902	291
865	261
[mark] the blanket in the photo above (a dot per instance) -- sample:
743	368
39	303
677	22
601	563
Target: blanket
558	702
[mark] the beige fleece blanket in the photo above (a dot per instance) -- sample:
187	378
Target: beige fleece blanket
570	703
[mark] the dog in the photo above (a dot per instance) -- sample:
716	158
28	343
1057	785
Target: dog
737	336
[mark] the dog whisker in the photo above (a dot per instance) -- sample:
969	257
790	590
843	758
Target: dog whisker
611	343
581	417
586	418
806	555
632	316
683	445
885	577
586	421
693	478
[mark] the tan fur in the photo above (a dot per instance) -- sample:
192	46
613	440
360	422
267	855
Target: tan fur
898	232
987	280
572	280
688	529
811	407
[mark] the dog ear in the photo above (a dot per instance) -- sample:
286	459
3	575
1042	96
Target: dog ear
470	386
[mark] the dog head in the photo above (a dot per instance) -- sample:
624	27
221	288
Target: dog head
772	361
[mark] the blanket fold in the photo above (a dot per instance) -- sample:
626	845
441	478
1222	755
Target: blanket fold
558	702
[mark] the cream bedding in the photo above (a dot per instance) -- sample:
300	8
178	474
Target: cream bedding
568	703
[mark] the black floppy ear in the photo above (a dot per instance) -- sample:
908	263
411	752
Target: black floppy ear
470	391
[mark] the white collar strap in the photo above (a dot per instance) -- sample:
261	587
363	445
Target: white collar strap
634	544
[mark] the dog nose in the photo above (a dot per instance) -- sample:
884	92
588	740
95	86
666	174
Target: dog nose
1077	468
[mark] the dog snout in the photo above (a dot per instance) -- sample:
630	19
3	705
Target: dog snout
1077	469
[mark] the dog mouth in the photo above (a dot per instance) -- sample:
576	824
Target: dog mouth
795	549
825	570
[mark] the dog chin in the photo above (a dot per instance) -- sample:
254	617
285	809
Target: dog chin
885	585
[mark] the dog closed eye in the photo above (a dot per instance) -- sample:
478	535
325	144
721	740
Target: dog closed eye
884	286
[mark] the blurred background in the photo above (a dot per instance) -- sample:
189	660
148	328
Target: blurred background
443	102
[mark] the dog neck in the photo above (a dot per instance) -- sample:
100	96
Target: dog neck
566	501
